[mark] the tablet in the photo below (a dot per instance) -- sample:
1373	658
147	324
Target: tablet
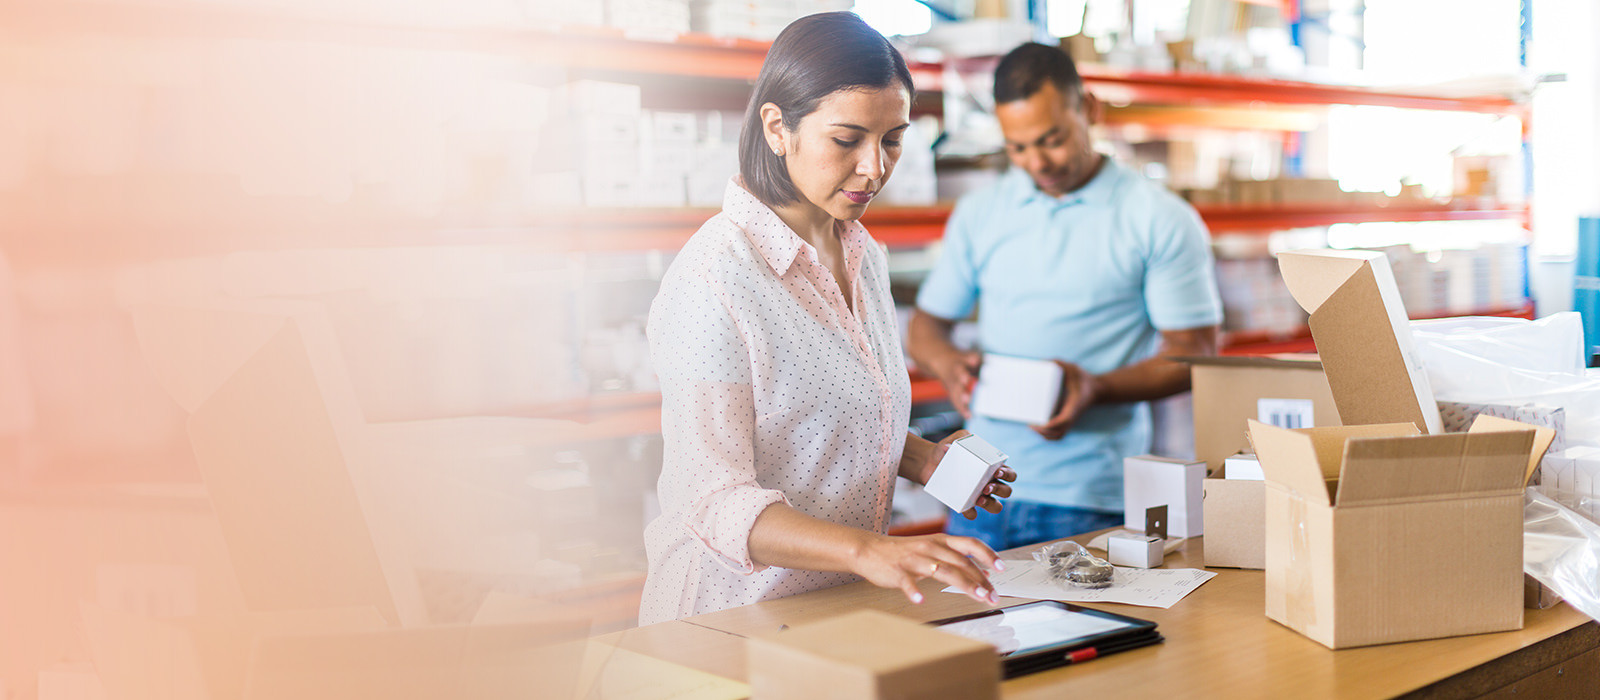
1046	627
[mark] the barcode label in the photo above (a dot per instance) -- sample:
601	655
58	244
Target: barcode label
1286	413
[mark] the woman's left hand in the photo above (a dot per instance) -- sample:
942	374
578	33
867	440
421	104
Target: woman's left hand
996	489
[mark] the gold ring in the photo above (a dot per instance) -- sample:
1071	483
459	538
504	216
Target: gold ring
934	570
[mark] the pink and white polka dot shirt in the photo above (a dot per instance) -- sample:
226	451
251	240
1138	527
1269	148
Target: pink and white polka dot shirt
771	390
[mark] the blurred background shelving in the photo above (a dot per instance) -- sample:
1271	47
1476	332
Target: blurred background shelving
481	198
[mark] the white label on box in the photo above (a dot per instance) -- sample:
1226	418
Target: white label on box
1286	413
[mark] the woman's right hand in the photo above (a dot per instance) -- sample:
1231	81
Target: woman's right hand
899	562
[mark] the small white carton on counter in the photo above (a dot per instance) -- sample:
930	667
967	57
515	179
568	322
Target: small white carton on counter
1017	389
965	469
1179	485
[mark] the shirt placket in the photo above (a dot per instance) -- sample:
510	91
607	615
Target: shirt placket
857	331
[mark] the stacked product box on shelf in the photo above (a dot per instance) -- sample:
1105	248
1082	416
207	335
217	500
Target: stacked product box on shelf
648	16
1451	282
628	156
1254	297
757	19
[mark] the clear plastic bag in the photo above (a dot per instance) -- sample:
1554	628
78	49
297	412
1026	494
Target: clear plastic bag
1514	362
1561	547
1070	564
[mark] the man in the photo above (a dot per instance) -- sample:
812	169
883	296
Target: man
1072	258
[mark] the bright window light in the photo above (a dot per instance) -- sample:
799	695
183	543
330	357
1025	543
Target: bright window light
896	17
1065	17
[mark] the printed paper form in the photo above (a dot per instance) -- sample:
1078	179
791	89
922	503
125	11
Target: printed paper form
1154	588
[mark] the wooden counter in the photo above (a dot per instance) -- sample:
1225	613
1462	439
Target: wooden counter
1219	644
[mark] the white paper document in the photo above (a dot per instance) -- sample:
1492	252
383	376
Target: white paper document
1155	588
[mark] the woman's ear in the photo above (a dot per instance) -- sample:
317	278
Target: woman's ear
772	128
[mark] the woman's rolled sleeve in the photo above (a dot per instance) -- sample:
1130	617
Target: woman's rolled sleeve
708	421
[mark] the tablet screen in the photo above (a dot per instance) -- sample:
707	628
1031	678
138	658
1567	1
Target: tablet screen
1041	625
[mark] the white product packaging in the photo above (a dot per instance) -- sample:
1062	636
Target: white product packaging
1138	551
1243	467
1155	481
965	469
1017	389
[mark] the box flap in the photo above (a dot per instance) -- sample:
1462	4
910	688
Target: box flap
1289	458
1307	460
1542	437
1362	336
1389	470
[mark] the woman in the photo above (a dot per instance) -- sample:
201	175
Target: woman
784	392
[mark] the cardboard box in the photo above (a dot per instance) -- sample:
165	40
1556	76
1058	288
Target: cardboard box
1229	391
871	654
1235	523
1017	389
1363	336
1281	390
965	469
1149	481
1376	534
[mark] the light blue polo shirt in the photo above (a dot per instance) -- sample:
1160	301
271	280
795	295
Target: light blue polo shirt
1090	278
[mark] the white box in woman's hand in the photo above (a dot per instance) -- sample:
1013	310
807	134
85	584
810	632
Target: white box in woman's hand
962	473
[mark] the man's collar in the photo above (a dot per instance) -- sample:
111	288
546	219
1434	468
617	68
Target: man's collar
1097	190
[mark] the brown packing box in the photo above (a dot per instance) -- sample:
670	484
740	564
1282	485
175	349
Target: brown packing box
1234	513
870	654
1228	392
1376	534
1362	336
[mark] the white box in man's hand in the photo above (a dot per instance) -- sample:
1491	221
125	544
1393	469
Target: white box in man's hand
1017	389
965	469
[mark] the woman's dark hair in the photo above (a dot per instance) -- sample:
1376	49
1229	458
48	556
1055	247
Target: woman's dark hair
815	56
1025	70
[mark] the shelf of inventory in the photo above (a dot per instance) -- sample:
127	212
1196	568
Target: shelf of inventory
610	416
1299	339
706	57
905	227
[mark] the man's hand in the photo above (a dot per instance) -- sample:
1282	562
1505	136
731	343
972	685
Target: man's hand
957	372
1079	390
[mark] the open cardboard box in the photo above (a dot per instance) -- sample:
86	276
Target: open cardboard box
1376	533
1285	390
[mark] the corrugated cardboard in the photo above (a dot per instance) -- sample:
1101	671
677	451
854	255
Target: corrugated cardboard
1229	390
869	654
1363	336
1375	534
1235	516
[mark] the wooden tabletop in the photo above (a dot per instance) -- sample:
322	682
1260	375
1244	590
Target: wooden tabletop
1219	642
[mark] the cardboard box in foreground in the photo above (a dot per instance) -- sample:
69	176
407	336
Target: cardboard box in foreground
1375	534
867	655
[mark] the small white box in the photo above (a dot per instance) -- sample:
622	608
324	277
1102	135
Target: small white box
1149	481
1138	551
1017	389
1243	467
965	469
